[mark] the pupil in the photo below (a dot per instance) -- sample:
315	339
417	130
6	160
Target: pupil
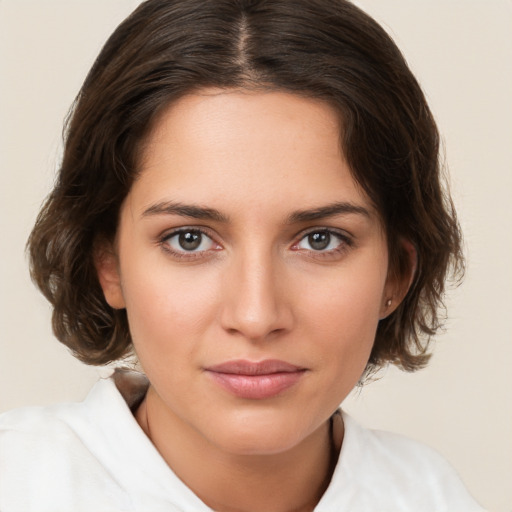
189	240
319	241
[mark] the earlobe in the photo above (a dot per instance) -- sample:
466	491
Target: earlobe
398	285
387	307
107	268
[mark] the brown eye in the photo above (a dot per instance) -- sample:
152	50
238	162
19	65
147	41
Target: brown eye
323	241
190	240
319	241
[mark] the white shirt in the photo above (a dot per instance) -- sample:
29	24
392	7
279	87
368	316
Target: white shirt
93	457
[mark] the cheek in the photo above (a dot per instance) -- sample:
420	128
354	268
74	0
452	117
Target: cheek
343	316
166	309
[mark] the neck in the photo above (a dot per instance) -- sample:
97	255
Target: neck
293	480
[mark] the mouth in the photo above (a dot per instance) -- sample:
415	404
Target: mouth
256	380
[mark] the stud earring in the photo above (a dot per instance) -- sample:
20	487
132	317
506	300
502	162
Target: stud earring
388	303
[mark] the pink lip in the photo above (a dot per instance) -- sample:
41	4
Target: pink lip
256	380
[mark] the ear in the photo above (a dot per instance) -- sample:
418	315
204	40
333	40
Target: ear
107	268
398	283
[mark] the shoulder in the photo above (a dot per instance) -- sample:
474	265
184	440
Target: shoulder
51	429
395	452
49	458
34	431
394	473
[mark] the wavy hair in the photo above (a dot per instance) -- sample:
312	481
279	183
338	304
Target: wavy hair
325	49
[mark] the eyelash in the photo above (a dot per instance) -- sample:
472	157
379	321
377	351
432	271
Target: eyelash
345	243
183	254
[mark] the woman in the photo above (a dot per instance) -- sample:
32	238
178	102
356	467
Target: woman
250	201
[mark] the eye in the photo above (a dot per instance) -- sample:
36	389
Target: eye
189	241
322	240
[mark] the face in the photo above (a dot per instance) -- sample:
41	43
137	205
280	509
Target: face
252	267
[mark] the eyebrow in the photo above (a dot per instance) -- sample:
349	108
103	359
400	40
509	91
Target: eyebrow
205	213
184	210
330	210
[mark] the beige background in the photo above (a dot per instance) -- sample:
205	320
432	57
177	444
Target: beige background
461	51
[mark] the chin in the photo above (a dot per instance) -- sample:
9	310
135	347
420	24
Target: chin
258	434
259	444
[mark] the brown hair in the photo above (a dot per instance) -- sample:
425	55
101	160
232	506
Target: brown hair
326	49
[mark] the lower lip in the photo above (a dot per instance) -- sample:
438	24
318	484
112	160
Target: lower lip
257	387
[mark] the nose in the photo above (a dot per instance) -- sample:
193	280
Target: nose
255	303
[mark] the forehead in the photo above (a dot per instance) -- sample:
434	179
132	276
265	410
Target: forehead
246	148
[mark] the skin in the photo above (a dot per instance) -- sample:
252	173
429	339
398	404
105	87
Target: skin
255	289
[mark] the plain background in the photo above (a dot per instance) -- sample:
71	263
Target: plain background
461	51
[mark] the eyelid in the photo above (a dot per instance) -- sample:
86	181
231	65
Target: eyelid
324	229
168	233
346	241
164	238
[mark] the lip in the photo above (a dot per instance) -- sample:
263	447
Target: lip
255	380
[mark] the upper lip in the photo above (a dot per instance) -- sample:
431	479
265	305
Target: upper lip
242	367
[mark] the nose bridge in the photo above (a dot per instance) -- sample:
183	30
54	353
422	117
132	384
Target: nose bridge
255	305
